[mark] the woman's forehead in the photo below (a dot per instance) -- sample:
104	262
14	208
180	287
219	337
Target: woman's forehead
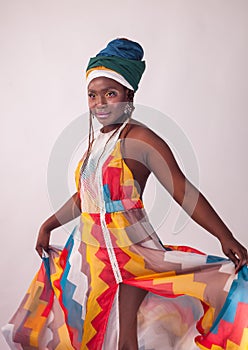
103	83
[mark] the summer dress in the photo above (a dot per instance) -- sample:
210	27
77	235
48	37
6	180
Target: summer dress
72	302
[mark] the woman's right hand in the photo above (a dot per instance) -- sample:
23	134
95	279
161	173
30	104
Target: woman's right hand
69	211
43	241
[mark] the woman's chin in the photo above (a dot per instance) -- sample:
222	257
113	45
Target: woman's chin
108	118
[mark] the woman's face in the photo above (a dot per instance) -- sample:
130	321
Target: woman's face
107	100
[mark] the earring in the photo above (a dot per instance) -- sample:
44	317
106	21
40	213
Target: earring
128	108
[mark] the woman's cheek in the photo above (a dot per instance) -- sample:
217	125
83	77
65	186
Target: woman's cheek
91	104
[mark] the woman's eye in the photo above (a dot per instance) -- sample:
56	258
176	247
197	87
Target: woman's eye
111	94
91	95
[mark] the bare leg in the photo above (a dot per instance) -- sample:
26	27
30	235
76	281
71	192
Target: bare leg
130	299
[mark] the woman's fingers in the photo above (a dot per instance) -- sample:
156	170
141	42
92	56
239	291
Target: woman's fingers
239	258
234	259
242	257
236	252
41	250
42	243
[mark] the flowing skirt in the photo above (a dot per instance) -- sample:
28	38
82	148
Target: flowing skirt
193	301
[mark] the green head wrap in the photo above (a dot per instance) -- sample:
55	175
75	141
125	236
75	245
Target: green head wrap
123	57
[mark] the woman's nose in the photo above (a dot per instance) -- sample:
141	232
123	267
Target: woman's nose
101	100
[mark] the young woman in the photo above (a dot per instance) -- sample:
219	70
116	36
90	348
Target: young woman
115	285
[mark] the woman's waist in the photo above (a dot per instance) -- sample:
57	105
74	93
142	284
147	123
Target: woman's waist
122	228
110	206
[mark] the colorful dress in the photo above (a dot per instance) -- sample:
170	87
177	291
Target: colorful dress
72	302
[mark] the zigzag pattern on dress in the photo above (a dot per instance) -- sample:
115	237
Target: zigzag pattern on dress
72	302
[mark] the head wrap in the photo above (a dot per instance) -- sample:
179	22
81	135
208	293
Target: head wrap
121	60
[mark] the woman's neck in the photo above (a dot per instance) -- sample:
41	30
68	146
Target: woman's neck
107	128
110	127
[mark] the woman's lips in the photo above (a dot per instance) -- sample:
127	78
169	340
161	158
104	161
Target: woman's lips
102	114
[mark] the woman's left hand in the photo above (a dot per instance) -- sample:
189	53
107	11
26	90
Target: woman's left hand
235	251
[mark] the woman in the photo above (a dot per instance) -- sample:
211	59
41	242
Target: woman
114	279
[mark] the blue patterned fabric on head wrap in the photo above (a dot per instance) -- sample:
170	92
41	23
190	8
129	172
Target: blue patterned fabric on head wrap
123	48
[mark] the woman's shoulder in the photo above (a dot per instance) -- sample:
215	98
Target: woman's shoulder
144	140
138	130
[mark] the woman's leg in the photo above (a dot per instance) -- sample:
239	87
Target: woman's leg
130	299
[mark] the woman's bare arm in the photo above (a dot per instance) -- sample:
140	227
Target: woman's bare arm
159	159
69	211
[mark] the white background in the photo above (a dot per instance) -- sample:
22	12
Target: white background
196	53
